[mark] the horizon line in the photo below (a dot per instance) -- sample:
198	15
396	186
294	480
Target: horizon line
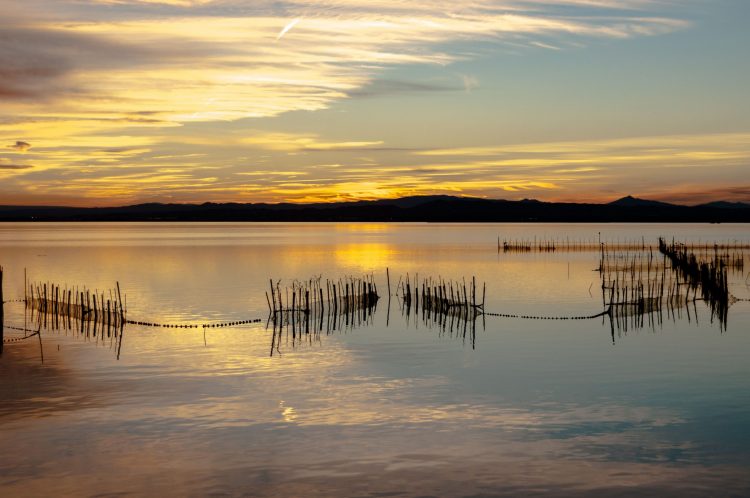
375	199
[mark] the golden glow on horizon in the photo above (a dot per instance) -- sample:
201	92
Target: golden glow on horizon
133	172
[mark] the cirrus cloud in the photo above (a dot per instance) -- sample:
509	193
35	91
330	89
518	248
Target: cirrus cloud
222	60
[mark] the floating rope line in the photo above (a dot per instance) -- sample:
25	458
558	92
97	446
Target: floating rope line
536	317
19	339
192	325
19	328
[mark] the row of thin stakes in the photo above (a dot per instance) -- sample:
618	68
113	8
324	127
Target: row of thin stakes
635	278
635	284
732	258
732	250
314	296
566	245
442	296
710	275
78	303
639	283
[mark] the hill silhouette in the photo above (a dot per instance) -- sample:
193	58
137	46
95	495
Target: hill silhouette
439	208
630	201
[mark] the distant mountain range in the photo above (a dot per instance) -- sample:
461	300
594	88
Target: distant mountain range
631	201
431	208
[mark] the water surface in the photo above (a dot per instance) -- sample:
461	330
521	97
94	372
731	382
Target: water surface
392	406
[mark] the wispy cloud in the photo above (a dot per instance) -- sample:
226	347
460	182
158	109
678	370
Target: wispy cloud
208	65
273	166
129	99
383	87
286	29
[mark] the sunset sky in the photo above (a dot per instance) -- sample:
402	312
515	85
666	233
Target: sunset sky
110	102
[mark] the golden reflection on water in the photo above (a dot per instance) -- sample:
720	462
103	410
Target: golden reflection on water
366	257
540	406
287	412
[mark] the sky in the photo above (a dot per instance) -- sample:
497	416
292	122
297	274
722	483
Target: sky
113	102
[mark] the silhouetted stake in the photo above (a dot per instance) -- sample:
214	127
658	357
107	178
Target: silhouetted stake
119	300
2	312
474	291
273	296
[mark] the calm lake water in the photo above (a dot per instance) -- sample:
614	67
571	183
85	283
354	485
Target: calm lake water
392	405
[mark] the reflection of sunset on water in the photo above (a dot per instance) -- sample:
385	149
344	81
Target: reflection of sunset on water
367	257
380	399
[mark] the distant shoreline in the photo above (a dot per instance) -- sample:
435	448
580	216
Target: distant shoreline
437	209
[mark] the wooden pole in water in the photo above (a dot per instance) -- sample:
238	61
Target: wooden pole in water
474	291
2	312
388	279
273	296
119	300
